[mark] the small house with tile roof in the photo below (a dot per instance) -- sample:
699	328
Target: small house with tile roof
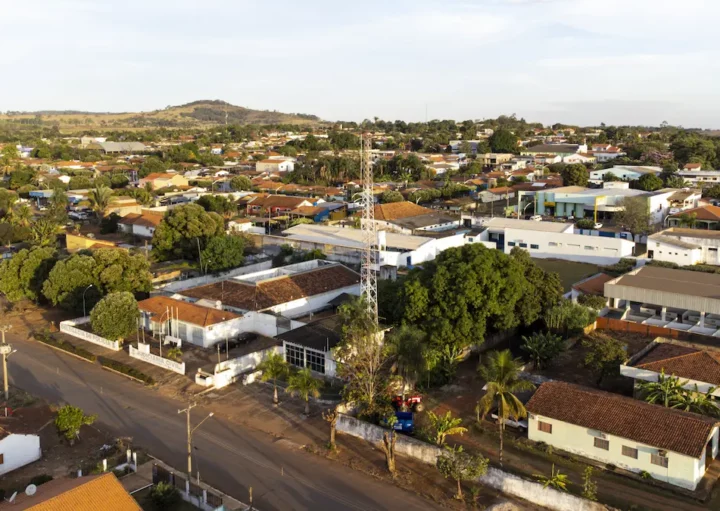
704	217
673	446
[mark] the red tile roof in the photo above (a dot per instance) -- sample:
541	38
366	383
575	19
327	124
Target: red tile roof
272	292
654	425
146	219
711	213
684	362
187	312
594	285
398	210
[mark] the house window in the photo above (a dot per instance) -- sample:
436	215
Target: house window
661	461
316	361
523	245
601	443
294	355
629	452
511	243
553	244
545	427
535	246
588	247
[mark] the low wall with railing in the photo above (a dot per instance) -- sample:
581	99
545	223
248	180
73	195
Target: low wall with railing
150	358
69	327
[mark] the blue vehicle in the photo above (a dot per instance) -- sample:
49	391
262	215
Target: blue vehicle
404	422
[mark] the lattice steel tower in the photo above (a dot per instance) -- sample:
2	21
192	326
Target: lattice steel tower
369	267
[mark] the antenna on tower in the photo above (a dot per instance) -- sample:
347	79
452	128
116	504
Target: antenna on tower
368	271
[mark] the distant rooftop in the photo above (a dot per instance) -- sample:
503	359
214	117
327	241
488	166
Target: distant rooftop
529	225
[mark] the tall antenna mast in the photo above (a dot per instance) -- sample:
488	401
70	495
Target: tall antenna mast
368	272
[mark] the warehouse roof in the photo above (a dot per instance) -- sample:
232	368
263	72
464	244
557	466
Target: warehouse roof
529	225
669	280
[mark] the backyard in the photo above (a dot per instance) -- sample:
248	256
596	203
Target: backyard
570	272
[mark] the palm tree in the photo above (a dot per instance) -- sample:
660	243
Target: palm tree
303	384
698	402
444	426
20	215
502	373
100	199
273	367
667	391
406	346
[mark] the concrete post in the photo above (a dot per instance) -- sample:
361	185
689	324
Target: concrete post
662	313
702	320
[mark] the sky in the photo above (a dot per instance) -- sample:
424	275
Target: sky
571	61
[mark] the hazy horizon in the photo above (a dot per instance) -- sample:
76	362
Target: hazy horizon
637	62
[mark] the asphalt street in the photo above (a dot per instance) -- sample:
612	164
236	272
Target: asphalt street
228	456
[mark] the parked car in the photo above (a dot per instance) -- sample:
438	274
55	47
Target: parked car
246	337
597	226
521	425
536	218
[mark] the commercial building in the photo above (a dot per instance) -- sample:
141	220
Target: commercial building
274	165
700	177
676	299
684	246
624	172
554	240
311	346
555	149
673	446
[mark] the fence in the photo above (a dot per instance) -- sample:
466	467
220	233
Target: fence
495	478
68	327
165	363
199	494
619	325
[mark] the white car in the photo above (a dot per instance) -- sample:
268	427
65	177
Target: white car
597	226
521	425
536	218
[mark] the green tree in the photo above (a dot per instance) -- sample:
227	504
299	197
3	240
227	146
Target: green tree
218	204
676	182
695	401
503	141
361	357
241	183
57	207
543	289
501	372
223	253
43	232
593	301
443	426
303	384
79	183
391	196
109	224
100	199
557	480
575	174
458	465
649	182
712	192
569	318
609	176
20	215
22	276
70	419
164	497
274	367
108	270
604	356
543	348
184	231
634	215
9	157
407	349
115	316
666	391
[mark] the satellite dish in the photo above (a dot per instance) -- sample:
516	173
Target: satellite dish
30	490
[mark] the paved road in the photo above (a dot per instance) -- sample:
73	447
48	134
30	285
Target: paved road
229	457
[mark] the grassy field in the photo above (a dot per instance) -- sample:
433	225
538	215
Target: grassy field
570	272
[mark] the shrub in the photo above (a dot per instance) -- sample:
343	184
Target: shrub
47	338
593	301
126	369
115	316
543	348
584	223
645	475
163	496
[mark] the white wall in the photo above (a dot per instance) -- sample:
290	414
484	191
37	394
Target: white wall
228	370
673	254
18	451
303	306
210	279
682	470
645	375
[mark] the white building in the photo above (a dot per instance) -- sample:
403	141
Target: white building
140	224
312	345
554	240
19	443
409	218
672	446
624	172
685	246
606	152
700	177
274	165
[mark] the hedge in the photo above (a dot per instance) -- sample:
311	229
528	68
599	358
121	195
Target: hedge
48	339
126	369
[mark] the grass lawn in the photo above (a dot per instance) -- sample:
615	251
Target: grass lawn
570	272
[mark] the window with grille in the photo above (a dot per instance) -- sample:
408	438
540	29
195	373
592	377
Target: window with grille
535	246
545	427
316	361
661	461
294	355
629	452
601	443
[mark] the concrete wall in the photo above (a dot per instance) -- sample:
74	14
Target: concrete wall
673	254
303	306
495	478
682	470
227	371
68	327
18	451
150	358
210	279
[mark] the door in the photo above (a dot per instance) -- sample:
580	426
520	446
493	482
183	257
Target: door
651	254
708	454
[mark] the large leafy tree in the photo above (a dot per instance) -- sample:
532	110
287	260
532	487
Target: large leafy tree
545	288
185	231
501	372
634	215
223	253
575	174
115	316
107	270
22	276
241	183
217	204
70	419
503	141
604	356
649	182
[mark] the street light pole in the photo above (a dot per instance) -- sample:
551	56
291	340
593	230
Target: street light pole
190	431
5	350
84	298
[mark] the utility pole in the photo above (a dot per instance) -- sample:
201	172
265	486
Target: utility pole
5	350
190	431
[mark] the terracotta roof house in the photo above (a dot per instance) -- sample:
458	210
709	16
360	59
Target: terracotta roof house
275	165
409	218
594	285
292	290
671	445
278	204
92	493
159	180
691	365
140	224
704	217
197	323
693	166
